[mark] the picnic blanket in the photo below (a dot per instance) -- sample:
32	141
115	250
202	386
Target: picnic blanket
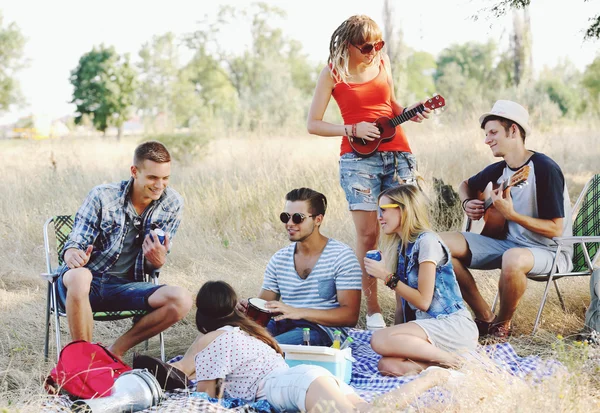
366	380
369	383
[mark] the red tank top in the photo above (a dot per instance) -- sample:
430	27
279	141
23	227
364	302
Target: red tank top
368	101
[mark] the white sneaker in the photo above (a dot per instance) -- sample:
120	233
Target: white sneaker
375	322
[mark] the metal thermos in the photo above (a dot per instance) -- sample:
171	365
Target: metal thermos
133	391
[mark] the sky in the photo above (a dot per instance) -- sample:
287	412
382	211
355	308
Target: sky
59	32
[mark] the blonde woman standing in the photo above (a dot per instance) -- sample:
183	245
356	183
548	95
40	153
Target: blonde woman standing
421	275
359	77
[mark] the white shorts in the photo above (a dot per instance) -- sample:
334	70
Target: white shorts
285	388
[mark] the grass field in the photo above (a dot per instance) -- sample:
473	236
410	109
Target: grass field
233	190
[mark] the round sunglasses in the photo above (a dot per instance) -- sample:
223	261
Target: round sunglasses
297	218
368	47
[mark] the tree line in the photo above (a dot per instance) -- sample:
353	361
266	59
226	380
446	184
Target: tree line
267	87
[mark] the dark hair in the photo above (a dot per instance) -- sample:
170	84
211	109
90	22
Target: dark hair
216	303
152	151
317	203
506	123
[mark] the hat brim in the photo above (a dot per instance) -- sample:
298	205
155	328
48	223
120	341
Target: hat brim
525	126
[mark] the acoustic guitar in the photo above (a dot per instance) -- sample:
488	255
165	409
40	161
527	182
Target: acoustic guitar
493	224
387	127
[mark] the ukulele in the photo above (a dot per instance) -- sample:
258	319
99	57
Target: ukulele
493	224
387	127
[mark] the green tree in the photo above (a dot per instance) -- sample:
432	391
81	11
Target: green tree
104	87
562	85
468	74
158	74
270	71
420	68
12	43
591	82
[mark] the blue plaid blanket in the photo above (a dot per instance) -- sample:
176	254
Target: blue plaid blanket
369	383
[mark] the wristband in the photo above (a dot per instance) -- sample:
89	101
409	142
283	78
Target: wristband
346	131
392	281
464	204
354	130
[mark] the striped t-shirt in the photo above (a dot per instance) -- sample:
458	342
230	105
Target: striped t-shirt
336	269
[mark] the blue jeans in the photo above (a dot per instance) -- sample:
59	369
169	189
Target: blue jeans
290	332
363	179
111	293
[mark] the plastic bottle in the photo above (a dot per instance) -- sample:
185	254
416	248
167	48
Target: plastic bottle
346	343
306	336
337	339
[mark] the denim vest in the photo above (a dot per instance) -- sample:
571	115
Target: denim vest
447	298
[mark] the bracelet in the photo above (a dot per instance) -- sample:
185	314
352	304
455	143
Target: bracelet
346	131
354	130
392	281
464	203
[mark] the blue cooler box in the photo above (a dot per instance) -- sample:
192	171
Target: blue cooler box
338	362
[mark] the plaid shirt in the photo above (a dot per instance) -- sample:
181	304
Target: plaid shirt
100	222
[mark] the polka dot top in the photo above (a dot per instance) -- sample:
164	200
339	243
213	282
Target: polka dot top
240	359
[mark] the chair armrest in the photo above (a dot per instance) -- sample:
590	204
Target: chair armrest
154	273
48	277
574	240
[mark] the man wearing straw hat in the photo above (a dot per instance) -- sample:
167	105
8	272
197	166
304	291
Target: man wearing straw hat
535	213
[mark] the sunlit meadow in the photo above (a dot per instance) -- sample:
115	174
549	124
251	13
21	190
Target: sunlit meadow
233	189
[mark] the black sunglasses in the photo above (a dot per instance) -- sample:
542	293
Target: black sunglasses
297	217
368	47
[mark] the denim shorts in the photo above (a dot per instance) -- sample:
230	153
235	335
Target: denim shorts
363	179
290	332
486	254
112	293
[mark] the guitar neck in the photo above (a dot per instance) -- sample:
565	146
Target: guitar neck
406	115
488	201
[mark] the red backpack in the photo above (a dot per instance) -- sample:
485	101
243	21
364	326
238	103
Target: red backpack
85	370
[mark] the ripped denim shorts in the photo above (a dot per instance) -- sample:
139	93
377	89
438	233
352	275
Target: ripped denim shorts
363	179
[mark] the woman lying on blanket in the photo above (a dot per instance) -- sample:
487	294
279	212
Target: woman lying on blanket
238	351
420	273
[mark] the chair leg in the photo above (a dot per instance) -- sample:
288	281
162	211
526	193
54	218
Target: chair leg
56	321
539	314
47	327
560	298
495	301
161	338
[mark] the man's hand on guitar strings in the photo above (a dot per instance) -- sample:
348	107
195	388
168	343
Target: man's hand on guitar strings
503	202
474	209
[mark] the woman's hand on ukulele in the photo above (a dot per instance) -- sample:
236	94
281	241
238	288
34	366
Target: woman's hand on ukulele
367	131
474	209
421	116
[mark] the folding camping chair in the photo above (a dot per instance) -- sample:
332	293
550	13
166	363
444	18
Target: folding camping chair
585	242
63	224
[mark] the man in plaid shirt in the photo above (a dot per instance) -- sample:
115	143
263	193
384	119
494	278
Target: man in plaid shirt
114	243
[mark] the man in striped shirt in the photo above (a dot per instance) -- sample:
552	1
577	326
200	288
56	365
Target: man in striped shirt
314	282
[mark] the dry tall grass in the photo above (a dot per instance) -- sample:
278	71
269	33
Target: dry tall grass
233	195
